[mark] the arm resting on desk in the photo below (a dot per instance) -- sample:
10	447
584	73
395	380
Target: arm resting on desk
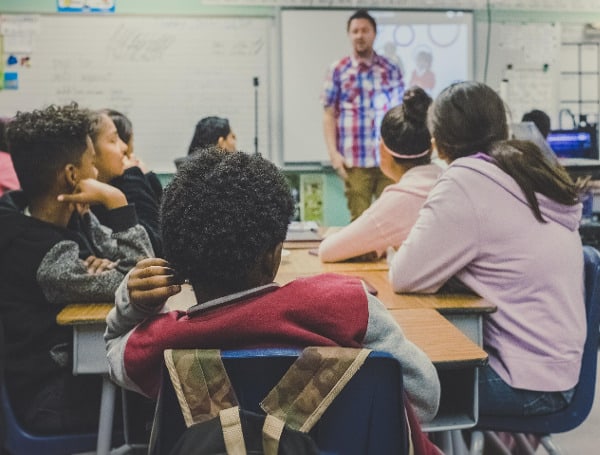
420	377
64	277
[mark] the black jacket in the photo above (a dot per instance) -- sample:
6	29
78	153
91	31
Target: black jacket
42	270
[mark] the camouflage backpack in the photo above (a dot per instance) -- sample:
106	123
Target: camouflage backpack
217	425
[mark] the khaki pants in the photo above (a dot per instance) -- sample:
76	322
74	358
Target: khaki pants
364	184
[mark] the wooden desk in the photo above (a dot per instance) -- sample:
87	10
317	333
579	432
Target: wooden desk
301	263
456	359
454	355
464	311
89	357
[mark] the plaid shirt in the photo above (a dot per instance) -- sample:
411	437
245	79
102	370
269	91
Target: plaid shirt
360	95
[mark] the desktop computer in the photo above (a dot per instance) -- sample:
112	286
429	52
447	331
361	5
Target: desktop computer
578	143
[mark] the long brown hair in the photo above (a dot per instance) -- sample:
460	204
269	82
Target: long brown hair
534	173
469	117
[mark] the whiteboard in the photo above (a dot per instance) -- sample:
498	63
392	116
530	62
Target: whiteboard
312	39
164	73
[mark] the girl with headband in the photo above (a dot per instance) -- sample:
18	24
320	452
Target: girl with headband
406	158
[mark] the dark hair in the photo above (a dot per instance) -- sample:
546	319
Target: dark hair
540	120
221	214
122	123
404	130
527	165
466	118
95	122
208	131
43	141
362	14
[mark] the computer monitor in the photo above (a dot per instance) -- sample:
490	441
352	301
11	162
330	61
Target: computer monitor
579	143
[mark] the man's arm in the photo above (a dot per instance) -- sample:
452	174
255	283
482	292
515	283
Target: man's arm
330	133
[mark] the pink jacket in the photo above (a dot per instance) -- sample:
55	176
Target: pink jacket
476	225
387	222
8	177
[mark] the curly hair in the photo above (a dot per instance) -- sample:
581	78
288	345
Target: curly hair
219	216
43	141
207	133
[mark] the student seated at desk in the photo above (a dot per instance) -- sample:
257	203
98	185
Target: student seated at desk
405	158
211	132
115	168
44	265
224	220
125	132
503	221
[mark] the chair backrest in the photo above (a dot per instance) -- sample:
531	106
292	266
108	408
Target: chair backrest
576	412
366	417
18	441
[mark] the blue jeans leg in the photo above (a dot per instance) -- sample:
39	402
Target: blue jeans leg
497	398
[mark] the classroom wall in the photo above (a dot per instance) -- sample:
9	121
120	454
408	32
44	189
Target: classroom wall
526	38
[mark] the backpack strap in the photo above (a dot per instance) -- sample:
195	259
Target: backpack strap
307	389
201	383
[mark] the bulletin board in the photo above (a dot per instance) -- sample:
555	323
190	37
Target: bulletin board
165	73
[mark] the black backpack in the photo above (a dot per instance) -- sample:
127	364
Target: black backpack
217	425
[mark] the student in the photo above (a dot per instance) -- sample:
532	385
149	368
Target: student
540	120
125	132
405	153
209	132
502	220
213	131
112	165
44	265
8	177
231	266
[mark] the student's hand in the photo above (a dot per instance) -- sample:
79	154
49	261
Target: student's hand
339	165
92	191
151	283
132	160
98	265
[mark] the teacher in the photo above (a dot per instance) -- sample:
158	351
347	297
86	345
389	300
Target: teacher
358	91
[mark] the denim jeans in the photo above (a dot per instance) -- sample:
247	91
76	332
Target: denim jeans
497	398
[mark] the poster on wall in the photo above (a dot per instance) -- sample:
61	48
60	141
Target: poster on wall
85	6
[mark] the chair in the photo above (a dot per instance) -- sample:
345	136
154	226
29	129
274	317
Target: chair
579	408
366	417
18	441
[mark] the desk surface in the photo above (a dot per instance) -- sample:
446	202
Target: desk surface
443	343
444	303
438	338
300	262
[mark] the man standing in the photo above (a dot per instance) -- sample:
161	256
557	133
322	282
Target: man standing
359	89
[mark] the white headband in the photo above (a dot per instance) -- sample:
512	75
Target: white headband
405	157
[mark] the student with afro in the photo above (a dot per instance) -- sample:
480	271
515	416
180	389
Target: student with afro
224	219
